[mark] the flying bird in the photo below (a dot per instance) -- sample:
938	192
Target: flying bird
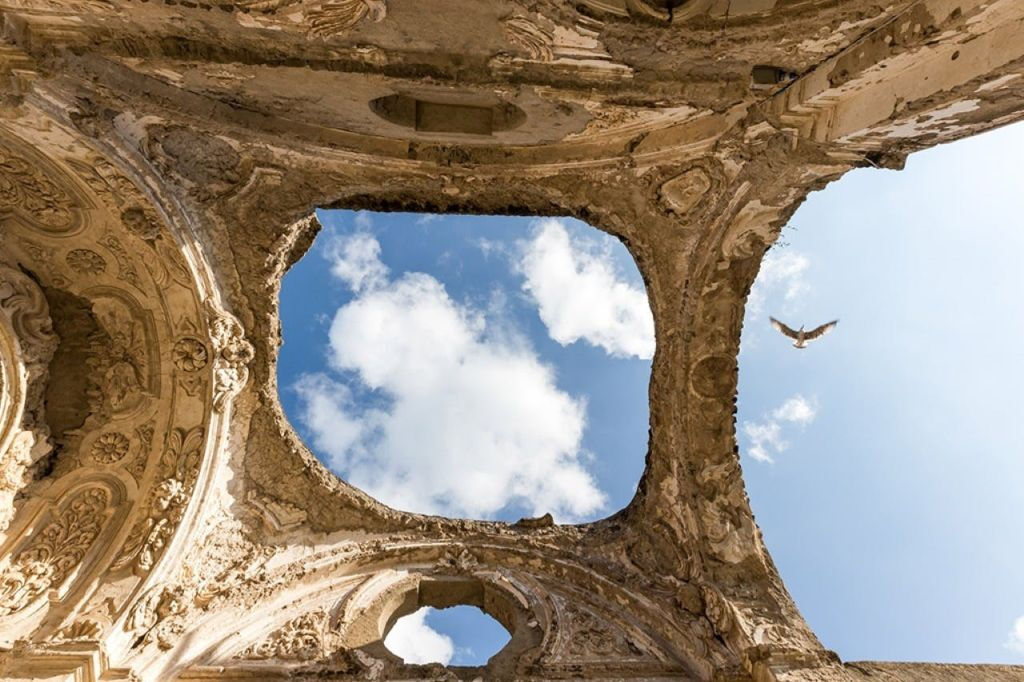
800	337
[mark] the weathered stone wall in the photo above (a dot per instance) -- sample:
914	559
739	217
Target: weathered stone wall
159	165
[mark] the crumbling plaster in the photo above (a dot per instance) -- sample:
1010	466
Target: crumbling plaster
159	165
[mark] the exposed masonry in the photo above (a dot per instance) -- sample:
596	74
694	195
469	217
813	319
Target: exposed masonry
159	164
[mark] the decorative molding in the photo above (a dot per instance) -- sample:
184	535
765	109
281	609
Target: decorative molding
179	465
55	551
232	355
277	516
300	639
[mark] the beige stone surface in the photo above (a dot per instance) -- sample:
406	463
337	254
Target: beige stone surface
159	165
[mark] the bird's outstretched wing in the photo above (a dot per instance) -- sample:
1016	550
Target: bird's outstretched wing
783	328
820	331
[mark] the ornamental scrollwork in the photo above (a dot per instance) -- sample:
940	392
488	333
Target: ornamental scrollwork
22	301
325	19
232	355
300	639
86	262
179	465
120	356
55	551
27	190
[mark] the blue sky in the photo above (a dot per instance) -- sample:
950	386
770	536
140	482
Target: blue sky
895	514
884	463
475	345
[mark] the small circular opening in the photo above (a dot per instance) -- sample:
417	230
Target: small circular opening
459	635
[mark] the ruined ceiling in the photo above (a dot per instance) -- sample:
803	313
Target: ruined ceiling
159	165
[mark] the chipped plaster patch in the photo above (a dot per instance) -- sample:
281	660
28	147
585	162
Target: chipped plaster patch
998	82
930	122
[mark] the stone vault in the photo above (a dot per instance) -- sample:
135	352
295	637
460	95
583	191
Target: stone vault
159	165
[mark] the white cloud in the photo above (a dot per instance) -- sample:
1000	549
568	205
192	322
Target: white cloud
415	642
581	296
796	410
363	221
766	436
428	218
782	274
1015	642
463	419
490	247
355	260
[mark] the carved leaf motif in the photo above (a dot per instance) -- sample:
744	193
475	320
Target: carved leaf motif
182	453
55	551
119	356
81	631
150	535
232	355
25	188
462	562
125	268
85	261
301	639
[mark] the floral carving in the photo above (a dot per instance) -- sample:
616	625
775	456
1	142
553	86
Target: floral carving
86	261
232	355
159	605
457	563
182	453
125	268
301	639
120	356
26	189
190	355
54	552
150	535
109	448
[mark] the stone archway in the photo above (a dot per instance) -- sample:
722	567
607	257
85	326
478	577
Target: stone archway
158	164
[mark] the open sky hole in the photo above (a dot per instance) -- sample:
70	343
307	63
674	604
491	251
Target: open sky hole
885	462
483	367
459	635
